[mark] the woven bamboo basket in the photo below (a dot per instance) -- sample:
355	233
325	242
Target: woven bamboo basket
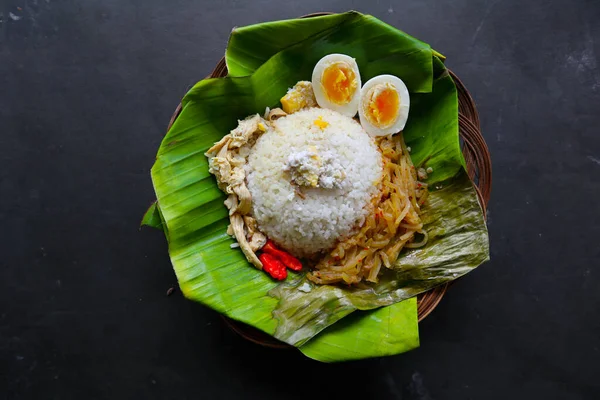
479	168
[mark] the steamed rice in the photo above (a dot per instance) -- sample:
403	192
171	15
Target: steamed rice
317	220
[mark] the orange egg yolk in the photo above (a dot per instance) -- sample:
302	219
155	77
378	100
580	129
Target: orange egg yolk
383	106
339	82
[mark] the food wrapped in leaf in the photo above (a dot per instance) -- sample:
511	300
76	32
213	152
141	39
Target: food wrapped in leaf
329	322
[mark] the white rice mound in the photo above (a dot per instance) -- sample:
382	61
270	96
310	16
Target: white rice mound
308	226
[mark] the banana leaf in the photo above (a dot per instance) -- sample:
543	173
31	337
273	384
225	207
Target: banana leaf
251	46
364	334
152	217
380	47
210	272
362	328
380	332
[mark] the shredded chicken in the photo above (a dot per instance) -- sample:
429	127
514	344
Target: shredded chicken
256	238
276	113
231	203
237	224
245	199
226	160
218	146
221	168
246	130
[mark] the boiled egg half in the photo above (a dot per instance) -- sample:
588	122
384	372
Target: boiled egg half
384	104
336	83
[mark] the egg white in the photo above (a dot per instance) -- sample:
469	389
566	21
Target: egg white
349	109
402	115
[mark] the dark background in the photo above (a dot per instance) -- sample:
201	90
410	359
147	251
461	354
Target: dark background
86	91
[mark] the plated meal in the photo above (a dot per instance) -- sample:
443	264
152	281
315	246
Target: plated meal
315	185
309	181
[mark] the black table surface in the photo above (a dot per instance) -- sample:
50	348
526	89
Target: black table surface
86	91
